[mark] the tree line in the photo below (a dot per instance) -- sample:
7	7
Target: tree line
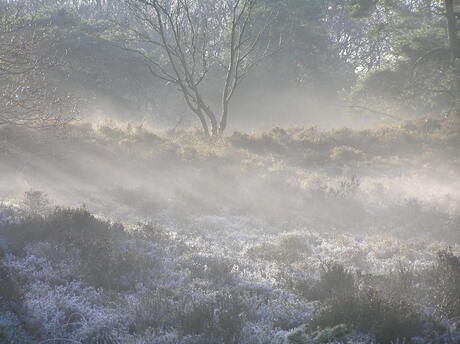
381	57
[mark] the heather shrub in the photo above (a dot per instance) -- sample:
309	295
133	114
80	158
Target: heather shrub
11	329
388	318
35	202
109	265
346	187
107	260
336	334
102	336
335	282
216	269
445	281
65	226
229	317
157	309
221	319
263	144
265	251
297	336
10	290
196	319
359	306
346	154
291	248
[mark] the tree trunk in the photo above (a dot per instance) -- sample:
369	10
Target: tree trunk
204	124
212	118
452	28
223	120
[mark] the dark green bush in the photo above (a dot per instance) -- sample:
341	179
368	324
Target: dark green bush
335	282
158	310
197	319
221	319
9	287
336	334
361	307
388	318
64	225
229	317
11	297
105	264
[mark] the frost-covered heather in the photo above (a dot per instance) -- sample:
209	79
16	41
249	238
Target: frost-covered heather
226	263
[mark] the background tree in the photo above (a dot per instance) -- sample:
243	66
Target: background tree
28	96
417	73
391	57
453	21
183	41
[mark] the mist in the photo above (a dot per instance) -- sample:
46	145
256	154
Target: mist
236	172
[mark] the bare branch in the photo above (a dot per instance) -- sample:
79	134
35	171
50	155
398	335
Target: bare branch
27	95
187	38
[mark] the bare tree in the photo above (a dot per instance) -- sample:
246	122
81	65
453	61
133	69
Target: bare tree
27	96
192	38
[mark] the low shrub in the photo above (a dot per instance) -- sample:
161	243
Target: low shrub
10	290
361	307
64	226
346	154
335	282
11	297
156	310
336	334
35	202
291	248
231	317
106	264
388	318
445	281
11	329
196	319
106	260
216	269
222	318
